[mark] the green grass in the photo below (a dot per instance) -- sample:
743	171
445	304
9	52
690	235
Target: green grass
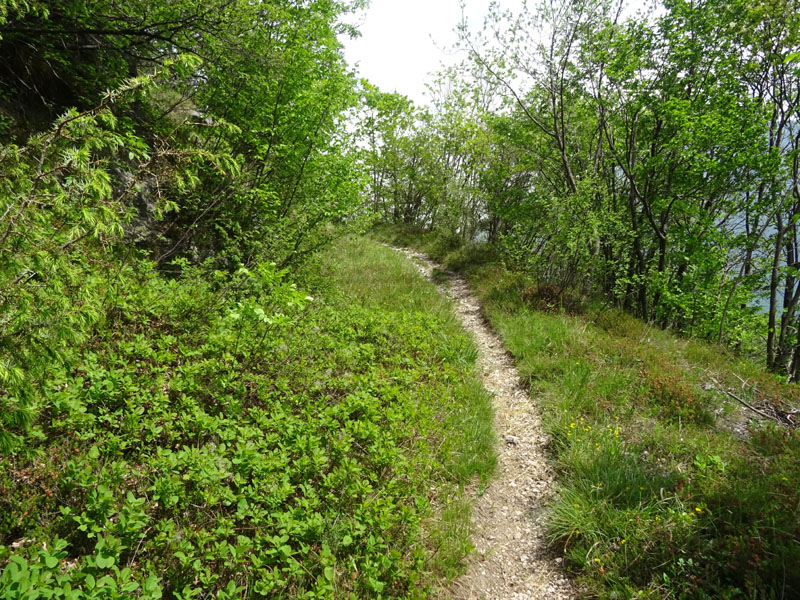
657	497
246	441
384	280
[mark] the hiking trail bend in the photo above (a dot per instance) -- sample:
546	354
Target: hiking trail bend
511	559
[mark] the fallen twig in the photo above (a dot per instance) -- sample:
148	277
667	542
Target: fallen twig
754	409
744	403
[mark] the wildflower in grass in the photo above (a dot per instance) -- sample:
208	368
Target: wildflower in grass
698	509
597	560
622	541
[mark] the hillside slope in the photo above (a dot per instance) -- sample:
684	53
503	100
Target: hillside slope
256	444
669	487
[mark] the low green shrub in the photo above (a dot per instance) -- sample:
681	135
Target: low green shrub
237	438
674	398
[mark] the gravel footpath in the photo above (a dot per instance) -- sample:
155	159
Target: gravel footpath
511	561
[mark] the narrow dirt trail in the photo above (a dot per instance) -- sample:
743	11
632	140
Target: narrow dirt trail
511	559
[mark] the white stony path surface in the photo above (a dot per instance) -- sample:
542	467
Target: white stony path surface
512	561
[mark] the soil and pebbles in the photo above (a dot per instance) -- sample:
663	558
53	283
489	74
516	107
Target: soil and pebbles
511	559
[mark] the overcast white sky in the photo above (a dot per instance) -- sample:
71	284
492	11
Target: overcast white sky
404	40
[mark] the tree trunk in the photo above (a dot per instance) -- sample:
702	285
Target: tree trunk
773	295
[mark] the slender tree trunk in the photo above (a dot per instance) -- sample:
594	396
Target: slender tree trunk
773	295
662	267
728	302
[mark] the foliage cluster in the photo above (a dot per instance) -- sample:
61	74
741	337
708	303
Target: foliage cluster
252	442
178	419
667	487
651	159
267	85
147	134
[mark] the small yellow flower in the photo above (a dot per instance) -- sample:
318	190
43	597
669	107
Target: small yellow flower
596	560
698	509
622	541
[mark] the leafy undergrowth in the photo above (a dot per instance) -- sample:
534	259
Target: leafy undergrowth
253	442
659	496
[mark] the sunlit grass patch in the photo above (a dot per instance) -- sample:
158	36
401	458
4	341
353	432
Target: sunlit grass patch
651	492
657	497
460	430
270	443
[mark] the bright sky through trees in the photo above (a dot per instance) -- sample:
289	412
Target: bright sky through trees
404	40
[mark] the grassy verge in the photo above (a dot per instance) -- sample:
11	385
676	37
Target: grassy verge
669	488
459	450
242	440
